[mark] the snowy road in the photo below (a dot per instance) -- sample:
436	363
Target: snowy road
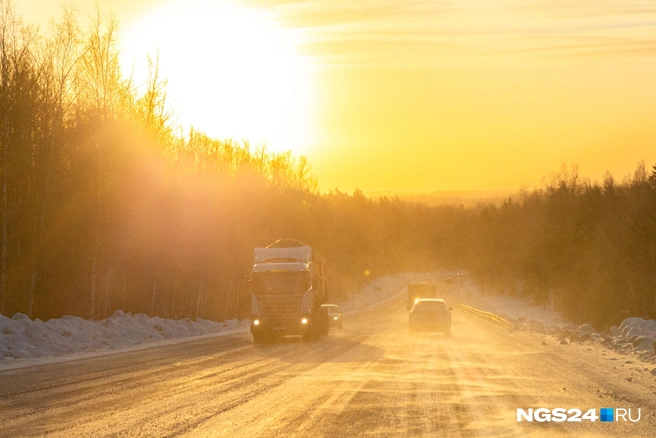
370	378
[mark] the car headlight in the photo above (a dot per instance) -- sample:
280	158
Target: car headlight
335	318
256	322
304	321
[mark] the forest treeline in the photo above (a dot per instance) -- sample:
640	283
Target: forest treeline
106	204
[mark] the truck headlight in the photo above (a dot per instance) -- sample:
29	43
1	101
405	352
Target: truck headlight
304	321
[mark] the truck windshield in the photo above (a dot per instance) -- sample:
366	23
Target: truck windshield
281	282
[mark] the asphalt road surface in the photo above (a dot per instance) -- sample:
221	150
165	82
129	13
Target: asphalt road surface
369	379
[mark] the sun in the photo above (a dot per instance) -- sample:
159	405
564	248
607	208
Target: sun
232	71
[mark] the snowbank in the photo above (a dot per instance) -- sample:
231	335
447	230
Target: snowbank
634	335
21	338
517	309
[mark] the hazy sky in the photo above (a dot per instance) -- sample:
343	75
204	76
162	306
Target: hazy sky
410	95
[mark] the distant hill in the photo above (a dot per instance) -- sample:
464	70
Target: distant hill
465	198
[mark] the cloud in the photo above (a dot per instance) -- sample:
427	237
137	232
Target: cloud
428	34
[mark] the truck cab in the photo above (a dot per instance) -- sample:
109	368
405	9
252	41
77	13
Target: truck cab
288	286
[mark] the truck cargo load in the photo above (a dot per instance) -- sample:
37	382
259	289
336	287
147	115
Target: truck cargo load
420	290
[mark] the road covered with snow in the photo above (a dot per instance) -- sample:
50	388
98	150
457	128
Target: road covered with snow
371	378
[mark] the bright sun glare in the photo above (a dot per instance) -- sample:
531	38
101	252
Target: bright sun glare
232	71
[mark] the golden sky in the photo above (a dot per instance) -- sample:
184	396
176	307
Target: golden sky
409	95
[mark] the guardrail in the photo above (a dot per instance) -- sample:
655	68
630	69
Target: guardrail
489	316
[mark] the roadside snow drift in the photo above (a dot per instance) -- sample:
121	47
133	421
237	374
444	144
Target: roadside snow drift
20	337
638	332
634	336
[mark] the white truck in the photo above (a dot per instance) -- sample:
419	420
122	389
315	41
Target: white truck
288	287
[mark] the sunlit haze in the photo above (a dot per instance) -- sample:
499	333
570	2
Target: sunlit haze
232	72
408	95
272	218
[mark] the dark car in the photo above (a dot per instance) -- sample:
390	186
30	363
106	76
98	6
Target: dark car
334	315
430	315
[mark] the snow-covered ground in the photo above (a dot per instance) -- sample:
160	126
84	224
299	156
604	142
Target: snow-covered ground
511	308
22	338
634	336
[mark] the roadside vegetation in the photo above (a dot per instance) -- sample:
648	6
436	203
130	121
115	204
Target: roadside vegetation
106	204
